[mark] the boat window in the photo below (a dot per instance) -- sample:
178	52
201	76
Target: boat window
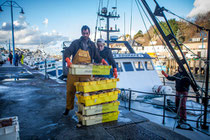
128	66
49	65
53	64
119	67
148	65
41	67
138	66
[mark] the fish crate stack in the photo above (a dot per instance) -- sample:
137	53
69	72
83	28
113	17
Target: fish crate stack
97	97
9	128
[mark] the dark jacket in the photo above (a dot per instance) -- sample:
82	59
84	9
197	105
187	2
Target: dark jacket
182	82
77	44
108	56
10	56
16	57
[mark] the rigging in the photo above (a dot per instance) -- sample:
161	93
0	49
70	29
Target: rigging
159	11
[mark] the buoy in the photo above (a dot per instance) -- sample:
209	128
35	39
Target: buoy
160	89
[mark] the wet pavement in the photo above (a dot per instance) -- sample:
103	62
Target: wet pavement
39	103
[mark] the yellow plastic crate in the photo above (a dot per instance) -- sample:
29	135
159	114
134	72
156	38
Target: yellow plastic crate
98	99
96	119
96	85
77	69
101	70
97	109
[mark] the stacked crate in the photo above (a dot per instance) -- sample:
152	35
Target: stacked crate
9	128
98	101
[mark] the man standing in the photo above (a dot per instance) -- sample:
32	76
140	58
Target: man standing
82	50
106	53
16	59
182	88
10	58
22	58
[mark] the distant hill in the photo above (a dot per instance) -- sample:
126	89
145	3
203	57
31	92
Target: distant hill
183	30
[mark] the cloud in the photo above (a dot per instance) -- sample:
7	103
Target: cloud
45	22
27	36
18	25
200	7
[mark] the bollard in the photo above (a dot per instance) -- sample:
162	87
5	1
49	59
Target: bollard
164	105
164	81
56	70
129	103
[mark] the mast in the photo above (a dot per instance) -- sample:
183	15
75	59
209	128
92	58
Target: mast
111	15
204	126
181	61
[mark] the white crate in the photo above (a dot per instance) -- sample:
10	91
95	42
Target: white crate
76	69
10	132
96	119
97	109
90	69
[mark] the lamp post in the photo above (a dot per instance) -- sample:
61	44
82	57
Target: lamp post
11	4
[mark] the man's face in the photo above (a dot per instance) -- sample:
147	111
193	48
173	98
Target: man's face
100	46
85	34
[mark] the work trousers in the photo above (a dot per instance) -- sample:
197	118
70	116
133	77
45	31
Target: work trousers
71	89
182	111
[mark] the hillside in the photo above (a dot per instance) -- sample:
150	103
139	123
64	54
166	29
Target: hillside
183	30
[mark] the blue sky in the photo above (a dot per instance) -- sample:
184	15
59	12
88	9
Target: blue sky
65	17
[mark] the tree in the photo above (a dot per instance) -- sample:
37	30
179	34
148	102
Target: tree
179	36
138	34
203	20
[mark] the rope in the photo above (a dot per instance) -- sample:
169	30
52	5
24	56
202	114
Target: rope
116	5
188	68
147	29
190	74
156	31
181	42
107	4
131	17
96	28
200	27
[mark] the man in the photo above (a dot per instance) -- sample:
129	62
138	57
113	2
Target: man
16	59
182	88
106	53
22	58
82	50
10	58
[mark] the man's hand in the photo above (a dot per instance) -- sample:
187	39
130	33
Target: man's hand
68	62
104	62
115	73
163	72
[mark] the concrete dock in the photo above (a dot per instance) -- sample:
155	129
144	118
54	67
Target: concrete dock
39	104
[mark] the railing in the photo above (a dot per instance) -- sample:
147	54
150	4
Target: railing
167	82
129	91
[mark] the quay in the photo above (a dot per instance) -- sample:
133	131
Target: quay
39	104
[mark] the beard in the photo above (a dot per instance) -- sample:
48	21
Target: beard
84	38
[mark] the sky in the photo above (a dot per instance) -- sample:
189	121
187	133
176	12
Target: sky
47	23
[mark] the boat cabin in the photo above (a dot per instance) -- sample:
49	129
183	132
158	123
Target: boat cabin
136	71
